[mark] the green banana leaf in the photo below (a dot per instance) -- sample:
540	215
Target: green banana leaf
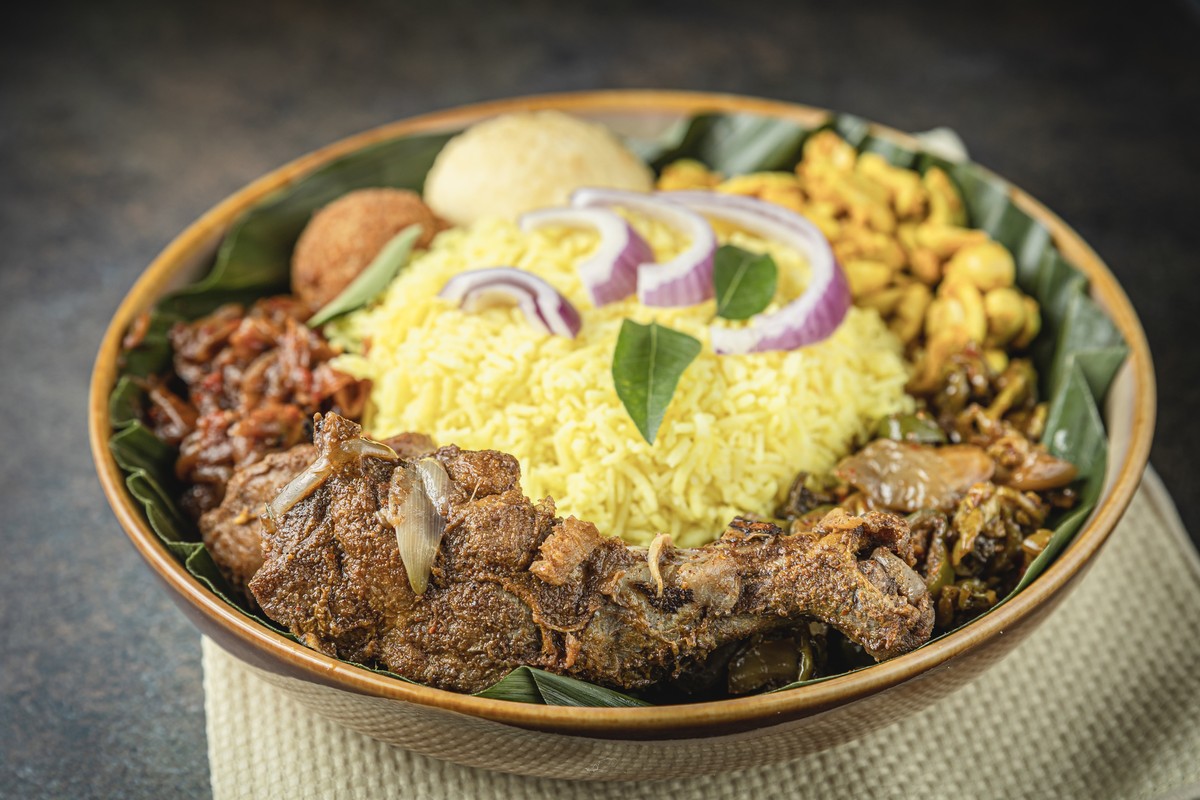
254	258
1077	353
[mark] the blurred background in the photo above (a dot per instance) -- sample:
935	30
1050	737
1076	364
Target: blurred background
121	122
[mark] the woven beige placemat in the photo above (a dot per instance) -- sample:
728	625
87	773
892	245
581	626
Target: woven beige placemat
1101	701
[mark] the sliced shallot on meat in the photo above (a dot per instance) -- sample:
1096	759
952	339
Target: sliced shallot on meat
417	501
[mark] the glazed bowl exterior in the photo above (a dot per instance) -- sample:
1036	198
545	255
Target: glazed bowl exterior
622	743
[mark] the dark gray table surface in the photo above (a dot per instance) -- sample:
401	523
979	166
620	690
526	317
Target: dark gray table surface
120	123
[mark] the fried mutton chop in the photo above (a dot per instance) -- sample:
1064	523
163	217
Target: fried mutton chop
231	531
512	584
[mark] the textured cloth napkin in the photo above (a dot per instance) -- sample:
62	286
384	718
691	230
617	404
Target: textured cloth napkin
1101	701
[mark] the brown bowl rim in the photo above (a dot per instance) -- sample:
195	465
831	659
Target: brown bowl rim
687	720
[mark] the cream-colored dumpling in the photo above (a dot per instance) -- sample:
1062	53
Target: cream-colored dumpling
514	163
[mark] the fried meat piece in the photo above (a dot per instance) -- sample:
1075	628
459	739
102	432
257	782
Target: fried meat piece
513	584
232	532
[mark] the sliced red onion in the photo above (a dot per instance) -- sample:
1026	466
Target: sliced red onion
812	316
684	280
541	303
610	273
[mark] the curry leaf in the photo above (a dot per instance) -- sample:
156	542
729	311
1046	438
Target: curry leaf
531	685
372	280
561	690
647	364
744	282
728	143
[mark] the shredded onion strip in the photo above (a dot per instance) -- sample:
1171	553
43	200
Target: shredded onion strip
299	488
317	472
663	540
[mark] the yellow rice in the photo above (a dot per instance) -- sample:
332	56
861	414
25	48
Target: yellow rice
737	431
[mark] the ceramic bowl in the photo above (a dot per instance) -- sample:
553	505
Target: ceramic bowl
626	743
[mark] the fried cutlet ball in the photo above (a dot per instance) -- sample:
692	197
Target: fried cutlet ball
344	237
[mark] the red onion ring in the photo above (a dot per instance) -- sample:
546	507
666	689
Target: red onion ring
684	280
610	273
812	316
542	304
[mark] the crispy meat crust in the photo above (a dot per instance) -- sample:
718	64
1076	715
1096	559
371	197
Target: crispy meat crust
513	584
232	532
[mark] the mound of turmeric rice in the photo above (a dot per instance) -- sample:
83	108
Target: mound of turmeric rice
737	431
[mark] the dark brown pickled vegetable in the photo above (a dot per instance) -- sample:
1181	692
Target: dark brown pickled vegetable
769	662
910	477
1034	544
1015	388
989	526
1020	462
963	600
803	497
1040	471
931	532
918	428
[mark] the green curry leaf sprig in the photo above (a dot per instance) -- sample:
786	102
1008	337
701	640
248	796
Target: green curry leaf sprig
647	364
650	359
372	280
744	282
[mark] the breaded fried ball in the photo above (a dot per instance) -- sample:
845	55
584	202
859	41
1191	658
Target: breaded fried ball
514	163
344	237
